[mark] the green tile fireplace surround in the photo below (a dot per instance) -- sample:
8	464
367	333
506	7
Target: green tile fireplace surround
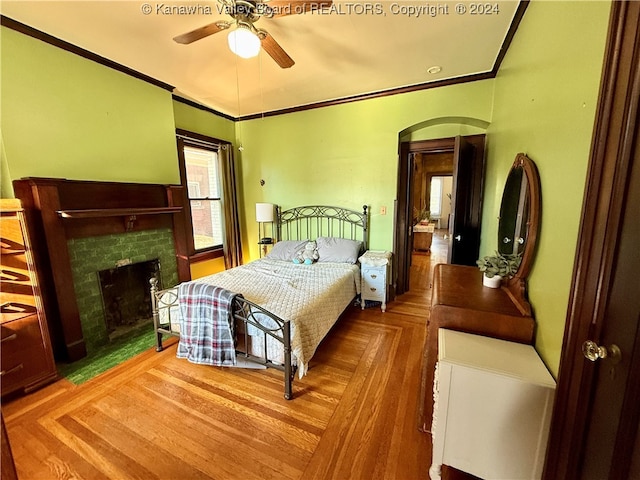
90	255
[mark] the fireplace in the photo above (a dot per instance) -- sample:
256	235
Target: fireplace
120	254
81	227
126	298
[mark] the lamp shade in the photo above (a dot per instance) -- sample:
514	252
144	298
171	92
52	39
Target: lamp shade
243	42
264	212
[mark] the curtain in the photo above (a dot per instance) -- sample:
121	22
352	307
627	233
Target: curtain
232	243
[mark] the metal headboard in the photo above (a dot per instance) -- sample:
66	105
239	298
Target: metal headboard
313	221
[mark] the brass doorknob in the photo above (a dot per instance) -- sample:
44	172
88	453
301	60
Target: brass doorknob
592	351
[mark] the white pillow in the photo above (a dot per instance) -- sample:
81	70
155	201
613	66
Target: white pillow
338	250
286	250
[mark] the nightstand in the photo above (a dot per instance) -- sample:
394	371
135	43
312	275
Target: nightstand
264	243
375	274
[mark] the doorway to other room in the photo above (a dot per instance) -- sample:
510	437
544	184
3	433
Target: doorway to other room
439	191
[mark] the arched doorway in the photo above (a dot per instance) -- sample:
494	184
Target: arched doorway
467	159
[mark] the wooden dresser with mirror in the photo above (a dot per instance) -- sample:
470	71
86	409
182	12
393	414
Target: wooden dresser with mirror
460	301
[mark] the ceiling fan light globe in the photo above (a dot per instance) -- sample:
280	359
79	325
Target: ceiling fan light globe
244	43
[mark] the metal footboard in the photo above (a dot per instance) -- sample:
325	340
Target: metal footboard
247	314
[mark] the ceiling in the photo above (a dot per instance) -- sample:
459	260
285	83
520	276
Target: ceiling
351	49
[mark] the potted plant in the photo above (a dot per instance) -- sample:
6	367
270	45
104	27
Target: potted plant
421	216
498	266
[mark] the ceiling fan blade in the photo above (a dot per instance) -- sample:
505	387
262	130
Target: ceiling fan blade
275	51
293	7
201	32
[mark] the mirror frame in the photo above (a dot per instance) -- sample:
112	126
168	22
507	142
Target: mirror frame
517	283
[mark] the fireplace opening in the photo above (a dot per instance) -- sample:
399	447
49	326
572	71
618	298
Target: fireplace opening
126	296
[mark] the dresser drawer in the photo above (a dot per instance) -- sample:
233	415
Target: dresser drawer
24	357
373	293
373	284
10	309
374	276
16	282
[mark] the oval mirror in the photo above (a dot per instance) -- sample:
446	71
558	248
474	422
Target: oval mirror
520	215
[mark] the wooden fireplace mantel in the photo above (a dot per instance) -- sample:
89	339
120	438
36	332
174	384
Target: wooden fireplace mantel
116	212
127	215
60	209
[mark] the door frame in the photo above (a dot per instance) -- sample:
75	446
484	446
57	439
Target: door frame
612	149
404	197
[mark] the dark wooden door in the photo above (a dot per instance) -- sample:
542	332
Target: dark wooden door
463	236
594	431
614	415
402	222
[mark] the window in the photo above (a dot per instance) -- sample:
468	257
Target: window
201	180
193	189
203	189
435	200
208	194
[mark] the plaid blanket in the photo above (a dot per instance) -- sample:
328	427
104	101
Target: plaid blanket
206	335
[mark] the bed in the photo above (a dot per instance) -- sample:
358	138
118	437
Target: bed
281	310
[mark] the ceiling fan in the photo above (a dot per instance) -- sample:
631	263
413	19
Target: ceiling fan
246	39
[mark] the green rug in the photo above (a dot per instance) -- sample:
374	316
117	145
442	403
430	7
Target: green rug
108	356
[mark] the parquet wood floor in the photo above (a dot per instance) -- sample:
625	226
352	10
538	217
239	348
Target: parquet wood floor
354	416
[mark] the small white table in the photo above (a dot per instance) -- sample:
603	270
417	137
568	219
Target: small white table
493	403
375	274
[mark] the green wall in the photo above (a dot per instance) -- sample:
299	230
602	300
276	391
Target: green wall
6	189
545	101
203	122
65	116
347	154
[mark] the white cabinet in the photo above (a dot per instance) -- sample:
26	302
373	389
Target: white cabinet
493	403
375	273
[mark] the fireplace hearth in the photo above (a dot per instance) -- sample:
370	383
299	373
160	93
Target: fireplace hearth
126	298
115	255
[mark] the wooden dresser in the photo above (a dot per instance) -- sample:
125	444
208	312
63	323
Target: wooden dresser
26	355
460	302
